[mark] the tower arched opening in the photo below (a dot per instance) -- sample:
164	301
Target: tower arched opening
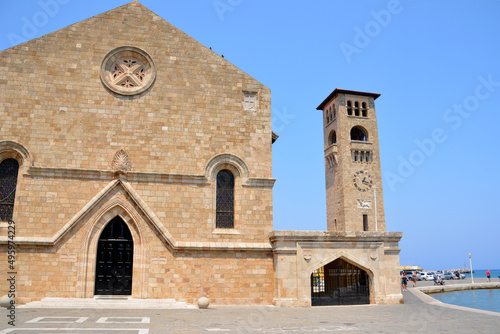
359	134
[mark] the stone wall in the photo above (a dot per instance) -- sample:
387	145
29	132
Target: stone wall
89	152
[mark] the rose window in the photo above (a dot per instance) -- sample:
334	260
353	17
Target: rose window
128	71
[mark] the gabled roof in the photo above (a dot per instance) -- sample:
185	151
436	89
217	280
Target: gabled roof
144	36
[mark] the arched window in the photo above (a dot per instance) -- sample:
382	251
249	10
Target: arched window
356	108
349	108
334	112
364	111
358	133
332	139
9	169
225	200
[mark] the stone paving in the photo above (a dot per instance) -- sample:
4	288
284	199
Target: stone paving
419	314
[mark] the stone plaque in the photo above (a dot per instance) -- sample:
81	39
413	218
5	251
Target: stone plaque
364	204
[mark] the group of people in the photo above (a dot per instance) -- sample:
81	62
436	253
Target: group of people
404	280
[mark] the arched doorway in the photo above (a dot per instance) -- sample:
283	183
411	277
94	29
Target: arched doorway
339	283
115	253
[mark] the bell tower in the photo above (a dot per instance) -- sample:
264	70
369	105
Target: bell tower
354	196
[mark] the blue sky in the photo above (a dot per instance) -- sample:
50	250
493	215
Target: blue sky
436	64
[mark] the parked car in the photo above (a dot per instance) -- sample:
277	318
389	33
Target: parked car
448	275
425	276
458	275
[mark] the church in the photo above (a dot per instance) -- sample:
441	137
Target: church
140	165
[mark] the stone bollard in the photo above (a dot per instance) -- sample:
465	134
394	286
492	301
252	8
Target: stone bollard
203	302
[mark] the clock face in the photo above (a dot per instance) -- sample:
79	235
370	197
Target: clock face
362	181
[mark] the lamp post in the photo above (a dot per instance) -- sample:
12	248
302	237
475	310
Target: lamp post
471	272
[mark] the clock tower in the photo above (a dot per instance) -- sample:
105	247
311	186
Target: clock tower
352	162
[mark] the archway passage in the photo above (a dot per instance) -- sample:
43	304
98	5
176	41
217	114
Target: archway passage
115	254
339	283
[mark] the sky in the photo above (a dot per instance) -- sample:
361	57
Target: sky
436	65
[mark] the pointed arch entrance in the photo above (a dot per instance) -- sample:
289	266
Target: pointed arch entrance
114	260
339	283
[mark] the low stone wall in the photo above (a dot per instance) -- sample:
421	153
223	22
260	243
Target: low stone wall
459	287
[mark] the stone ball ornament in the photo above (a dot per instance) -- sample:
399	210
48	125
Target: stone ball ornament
203	302
5	301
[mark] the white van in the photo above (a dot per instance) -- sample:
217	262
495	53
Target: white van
425	276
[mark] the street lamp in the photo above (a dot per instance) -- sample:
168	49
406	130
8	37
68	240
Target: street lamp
471	272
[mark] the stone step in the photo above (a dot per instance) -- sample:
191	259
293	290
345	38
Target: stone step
109	302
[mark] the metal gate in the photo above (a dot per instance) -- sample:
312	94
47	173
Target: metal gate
339	283
115	253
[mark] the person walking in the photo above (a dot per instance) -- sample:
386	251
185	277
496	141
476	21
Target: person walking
414	279
404	281
488	277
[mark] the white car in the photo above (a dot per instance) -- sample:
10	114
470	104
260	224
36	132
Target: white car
425	276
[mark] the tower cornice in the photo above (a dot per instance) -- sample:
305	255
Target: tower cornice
345	91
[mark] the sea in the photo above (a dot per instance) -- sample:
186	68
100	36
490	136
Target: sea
482	273
487	299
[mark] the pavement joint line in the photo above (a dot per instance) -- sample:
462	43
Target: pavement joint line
217	330
39	320
99	330
105	320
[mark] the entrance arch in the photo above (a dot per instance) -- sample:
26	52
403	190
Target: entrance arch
114	259
339	283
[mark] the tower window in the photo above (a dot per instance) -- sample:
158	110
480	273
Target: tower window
330	114
225	200
356	108
359	134
365	222
349	108
364	111
9	169
361	156
332	138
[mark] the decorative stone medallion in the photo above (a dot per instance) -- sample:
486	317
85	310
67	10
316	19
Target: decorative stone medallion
128	71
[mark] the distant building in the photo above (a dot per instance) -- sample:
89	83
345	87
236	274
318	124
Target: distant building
135	161
416	268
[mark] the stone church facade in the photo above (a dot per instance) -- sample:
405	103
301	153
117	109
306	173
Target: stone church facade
141	165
